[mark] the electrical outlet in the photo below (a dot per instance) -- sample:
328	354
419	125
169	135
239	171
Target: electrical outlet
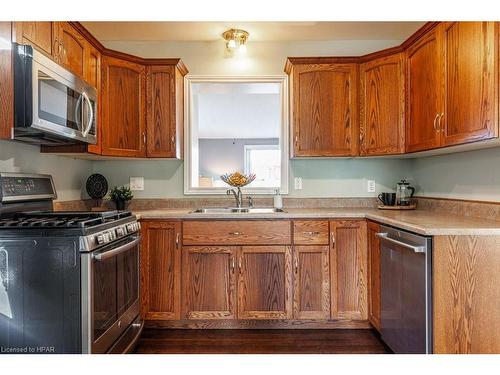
297	181
371	186
136	183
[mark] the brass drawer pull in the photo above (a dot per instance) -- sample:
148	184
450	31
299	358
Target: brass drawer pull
312	233
235	233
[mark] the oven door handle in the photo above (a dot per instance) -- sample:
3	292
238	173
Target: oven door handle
114	252
385	237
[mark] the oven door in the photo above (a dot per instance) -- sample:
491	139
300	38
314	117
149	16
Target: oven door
58	102
110	293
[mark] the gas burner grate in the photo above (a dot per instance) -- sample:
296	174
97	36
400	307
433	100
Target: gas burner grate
61	219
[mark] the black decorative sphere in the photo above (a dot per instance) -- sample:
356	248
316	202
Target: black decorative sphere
97	186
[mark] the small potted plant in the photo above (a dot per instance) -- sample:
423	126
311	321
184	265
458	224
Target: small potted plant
121	196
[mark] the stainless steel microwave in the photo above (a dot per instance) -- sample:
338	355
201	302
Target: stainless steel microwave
52	106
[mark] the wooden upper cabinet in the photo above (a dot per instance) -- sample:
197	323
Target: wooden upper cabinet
470	113
165	89
348	270
374	274
264	282
71	48
382	106
324	108
160	270
41	34
424	92
123	108
209	282
311	274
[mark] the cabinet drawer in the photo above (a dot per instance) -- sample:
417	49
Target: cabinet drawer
236	232
310	232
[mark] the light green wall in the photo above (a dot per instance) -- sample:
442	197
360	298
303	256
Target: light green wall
471	175
321	178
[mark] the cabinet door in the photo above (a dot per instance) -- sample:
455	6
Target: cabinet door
71	54
348	268
311	293
470	52
160	270
325	110
264	282
382	102
42	35
424	93
123	103
92	74
161	114
374	274
209	282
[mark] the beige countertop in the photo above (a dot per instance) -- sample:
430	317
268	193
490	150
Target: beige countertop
430	223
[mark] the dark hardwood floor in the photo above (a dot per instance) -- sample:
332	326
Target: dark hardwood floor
311	341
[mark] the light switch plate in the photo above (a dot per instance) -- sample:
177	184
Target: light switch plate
371	186
136	183
297	181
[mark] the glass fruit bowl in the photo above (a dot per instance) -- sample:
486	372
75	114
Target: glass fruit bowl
237	179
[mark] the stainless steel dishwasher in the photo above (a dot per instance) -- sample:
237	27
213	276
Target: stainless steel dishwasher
406	290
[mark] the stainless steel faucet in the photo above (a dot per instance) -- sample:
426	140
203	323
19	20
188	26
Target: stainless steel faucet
237	195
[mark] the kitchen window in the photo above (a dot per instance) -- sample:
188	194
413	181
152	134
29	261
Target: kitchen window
236	124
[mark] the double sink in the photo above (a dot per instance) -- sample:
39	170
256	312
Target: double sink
237	210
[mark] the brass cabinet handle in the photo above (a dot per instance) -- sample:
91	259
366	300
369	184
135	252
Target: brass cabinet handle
439	122
434	123
239	264
235	233
144	137
296	139
233	265
57	48
296	265
311	233
333	239
177	240
173	139
62	50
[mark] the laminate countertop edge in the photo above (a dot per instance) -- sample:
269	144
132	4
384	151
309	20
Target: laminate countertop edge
424	222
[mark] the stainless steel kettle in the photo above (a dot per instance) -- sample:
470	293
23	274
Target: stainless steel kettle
404	193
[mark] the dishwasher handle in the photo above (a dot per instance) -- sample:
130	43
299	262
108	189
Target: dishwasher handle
385	237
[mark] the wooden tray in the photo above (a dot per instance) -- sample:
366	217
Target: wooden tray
410	207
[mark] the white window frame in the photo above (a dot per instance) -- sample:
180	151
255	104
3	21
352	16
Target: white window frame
189	80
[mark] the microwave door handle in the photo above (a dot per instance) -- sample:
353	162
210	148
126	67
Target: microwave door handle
385	237
114	252
79	121
91	117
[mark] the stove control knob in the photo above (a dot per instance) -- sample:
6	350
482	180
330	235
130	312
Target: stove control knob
138	226
119	231
112	234
100	239
106	237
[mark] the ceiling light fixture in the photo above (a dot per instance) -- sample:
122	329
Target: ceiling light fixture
236	39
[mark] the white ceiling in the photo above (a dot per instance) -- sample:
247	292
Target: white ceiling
259	31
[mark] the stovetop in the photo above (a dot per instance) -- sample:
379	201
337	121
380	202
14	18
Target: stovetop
63	219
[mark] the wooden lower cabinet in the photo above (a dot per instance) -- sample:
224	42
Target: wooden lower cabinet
466	297
311	286
209	282
264	282
160	270
374	274
348	270
226	284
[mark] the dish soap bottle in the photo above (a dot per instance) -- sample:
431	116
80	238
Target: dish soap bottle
278	200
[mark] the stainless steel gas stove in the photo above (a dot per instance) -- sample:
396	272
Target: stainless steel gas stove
69	281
